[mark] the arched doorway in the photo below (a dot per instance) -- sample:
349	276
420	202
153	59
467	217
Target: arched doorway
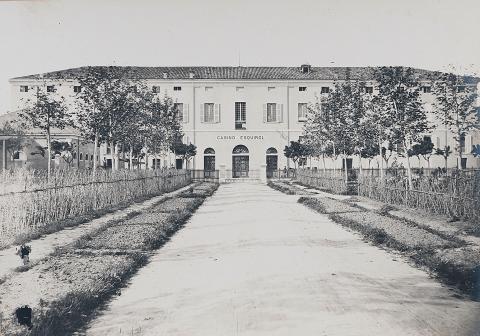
272	161
240	161
209	162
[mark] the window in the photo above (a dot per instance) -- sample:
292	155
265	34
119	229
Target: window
209	116
271	88
81	156
86	156
177	88
240	111
271	112
208	88
155	89
462	143
426	89
240	115
16	155
50	88
302	111
179	108
461	88
77	89
368	89
240	88
325	89
302	88
91	157
23	88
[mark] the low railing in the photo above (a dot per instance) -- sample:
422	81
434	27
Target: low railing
198	175
250	174
281	174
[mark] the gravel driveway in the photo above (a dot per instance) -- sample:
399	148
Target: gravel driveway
252	261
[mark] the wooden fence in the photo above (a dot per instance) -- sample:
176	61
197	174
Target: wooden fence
28	201
453	193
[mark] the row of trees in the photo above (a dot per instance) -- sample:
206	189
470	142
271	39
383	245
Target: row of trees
352	120
113	108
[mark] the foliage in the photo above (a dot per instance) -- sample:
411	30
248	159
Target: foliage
296	150
46	112
65	149
400	90
16	142
183	150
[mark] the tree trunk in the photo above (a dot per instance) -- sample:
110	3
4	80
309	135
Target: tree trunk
130	157
334	159
382	175
409	170
324	166
49	155
345	167
95	151
459	163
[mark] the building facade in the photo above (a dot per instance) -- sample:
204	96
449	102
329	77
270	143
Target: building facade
241	118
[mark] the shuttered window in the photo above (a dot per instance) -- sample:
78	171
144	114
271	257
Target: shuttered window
240	111
302	111
272	112
210	113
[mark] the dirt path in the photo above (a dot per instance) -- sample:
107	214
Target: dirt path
47	244
252	261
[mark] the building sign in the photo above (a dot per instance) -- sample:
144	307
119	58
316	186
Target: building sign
239	137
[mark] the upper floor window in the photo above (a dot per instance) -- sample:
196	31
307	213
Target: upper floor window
77	89
461	88
302	111
426	89
325	89
208	88
210	113
155	89
462	143
50	88
177	88
240	88
240	115
240	111
368	89
23	88
302	88
16	155
271	88
271	112
179	108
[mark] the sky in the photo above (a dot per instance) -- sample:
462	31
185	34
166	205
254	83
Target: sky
46	35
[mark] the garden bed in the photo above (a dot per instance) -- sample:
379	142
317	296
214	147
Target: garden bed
448	257
66	288
287	188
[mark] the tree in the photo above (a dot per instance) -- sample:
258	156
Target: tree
164	128
99	113
186	152
456	108
445	153
46	112
295	151
65	149
400	90
16	140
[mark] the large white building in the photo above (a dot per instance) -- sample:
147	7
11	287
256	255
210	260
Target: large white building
241	118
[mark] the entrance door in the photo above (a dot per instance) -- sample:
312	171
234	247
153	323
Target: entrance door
272	165
240	166
179	163
209	165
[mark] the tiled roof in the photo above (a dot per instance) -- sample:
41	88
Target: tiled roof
233	73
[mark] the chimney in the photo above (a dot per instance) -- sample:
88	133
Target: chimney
192	75
165	75
306	68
